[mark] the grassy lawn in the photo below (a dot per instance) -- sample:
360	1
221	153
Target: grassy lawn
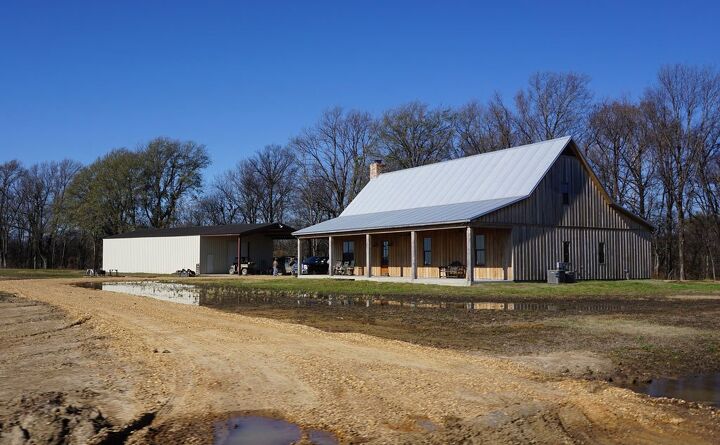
18	274
629	288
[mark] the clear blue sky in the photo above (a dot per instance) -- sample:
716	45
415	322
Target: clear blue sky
79	78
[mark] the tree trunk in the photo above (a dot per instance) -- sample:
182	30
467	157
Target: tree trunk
681	242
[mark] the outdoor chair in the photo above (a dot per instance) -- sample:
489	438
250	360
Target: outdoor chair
350	269
455	270
337	270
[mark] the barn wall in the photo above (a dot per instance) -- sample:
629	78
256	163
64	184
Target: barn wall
542	222
151	254
536	249
587	208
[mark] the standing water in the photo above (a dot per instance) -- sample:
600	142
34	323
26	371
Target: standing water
256	430
703	388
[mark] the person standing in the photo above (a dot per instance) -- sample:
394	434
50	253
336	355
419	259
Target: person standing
275	267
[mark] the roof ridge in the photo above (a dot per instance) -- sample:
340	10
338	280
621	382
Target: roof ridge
479	155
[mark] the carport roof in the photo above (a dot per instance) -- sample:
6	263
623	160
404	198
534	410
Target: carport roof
275	230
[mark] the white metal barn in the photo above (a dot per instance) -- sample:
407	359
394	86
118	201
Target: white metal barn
207	249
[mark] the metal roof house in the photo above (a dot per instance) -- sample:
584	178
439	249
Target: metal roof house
204	249
510	214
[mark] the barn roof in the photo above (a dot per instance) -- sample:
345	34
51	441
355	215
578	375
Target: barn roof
454	191
275	230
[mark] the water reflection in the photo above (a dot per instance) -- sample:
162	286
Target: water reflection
221	296
697	388
254	430
174	292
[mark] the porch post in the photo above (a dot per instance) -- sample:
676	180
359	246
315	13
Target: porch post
298	261
367	254
470	254
413	255
330	255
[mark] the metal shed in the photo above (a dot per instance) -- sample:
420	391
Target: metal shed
205	249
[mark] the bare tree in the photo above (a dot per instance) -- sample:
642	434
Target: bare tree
35	209
613	133
483	128
170	170
334	156
681	114
274	170
10	174
413	135
553	105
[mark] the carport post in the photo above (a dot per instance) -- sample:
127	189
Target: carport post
298	261
330	255
237	266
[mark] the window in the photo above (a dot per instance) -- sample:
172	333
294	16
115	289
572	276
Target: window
566	251
564	187
479	250
427	251
385	258
348	251
601	253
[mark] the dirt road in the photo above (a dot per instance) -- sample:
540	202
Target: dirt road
363	388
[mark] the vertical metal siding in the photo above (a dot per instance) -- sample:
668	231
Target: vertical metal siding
151	255
542	223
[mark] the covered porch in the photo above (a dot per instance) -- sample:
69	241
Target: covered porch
439	255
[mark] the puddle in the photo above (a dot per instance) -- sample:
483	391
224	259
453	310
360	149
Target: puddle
174	292
703	389
224	297
256	430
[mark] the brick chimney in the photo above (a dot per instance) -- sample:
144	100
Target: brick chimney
376	168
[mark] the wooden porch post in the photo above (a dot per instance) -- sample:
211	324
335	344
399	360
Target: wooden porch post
413	255
330	255
470	254
367	254
298	261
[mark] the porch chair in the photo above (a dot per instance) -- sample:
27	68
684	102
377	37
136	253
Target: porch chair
337	269
350	269
456	269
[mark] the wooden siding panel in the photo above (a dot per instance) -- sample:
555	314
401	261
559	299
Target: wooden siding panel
539	248
587	208
359	250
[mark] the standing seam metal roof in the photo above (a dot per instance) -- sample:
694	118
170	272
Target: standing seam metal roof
271	229
458	190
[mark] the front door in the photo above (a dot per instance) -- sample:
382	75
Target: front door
385	258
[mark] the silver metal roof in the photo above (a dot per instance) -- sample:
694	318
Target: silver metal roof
458	190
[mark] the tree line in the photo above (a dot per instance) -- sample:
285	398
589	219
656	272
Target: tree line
657	155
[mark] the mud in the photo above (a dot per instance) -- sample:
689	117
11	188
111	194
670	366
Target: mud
61	384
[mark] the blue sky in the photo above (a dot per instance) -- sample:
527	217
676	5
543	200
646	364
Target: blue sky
80	78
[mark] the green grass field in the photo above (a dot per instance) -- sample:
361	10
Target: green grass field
19	274
629	288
